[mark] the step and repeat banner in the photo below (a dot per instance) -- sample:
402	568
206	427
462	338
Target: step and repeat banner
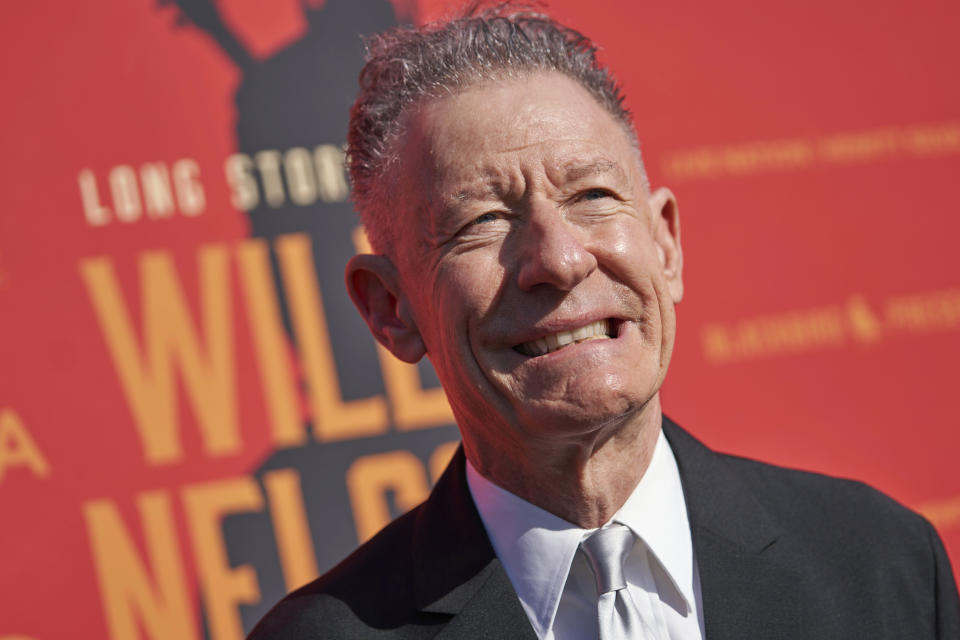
193	418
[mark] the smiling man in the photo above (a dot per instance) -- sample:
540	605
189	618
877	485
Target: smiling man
520	248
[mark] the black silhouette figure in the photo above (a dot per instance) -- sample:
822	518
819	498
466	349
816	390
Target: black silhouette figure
300	98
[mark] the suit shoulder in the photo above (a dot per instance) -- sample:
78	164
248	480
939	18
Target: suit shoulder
838	531
807	499
371	587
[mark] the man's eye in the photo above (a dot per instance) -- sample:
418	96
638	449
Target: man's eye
486	217
489	222
595	194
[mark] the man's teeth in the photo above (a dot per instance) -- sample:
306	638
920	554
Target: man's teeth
548	344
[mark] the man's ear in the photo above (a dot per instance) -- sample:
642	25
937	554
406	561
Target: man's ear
666	234
374	286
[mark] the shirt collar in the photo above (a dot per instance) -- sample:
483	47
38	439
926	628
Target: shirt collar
537	548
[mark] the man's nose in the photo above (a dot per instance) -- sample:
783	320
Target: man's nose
552	251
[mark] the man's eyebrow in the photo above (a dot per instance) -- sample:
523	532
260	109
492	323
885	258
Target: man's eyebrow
483	191
578	171
572	171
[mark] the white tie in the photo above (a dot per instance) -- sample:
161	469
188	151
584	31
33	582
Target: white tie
619	619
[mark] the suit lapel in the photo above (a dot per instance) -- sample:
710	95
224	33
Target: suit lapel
492	613
456	571
746	592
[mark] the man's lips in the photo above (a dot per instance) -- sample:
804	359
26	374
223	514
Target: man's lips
598	330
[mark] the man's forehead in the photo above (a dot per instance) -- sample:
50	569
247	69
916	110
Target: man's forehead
575	169
487	184
504	136
530	105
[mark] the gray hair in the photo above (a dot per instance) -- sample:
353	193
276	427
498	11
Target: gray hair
407	64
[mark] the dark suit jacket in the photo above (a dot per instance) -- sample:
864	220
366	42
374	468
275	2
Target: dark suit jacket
782	554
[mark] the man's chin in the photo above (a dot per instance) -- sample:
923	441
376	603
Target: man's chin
578	419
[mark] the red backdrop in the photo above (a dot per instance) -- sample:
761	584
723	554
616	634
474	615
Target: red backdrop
193	419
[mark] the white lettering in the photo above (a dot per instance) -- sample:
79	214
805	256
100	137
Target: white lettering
157	193
96	214
126	195
244	194
329	161
268	163
299	169
186	182
155	187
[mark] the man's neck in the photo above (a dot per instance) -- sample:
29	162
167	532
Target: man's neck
584	482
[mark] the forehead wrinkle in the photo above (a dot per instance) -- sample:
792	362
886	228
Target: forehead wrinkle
483	191
542	135
488	184
522	147
574	170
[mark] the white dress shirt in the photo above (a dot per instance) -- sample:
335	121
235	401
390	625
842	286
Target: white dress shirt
541	555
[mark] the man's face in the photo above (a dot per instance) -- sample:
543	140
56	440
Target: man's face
539	273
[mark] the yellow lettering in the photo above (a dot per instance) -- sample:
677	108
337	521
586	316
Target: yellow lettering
944	514
370	477
935	139
132	598
223	587
440	458
270	341
716	343
860	146
334	419
864	325
925	311
170	341
413	407
297	557
17	448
